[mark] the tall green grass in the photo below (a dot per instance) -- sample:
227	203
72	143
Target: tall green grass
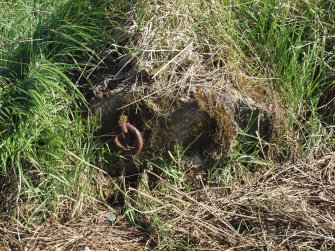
292	40
49	52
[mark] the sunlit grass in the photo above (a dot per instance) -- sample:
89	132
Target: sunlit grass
46	49
50	52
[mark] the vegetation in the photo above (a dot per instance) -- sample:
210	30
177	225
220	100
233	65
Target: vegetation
53	158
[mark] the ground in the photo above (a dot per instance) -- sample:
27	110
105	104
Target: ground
234	100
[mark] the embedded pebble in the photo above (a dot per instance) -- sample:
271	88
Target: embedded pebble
111	218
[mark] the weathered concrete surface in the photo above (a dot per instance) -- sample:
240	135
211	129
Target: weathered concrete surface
207	121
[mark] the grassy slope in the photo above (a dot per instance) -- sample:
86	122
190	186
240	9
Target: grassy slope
50	52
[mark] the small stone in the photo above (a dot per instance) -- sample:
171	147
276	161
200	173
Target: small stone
111	218
87	249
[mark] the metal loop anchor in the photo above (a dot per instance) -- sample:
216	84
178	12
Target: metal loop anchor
124	126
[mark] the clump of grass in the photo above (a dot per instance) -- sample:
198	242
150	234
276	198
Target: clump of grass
291	40
257	47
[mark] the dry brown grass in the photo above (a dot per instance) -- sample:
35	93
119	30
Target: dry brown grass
288	207
89	230
179	51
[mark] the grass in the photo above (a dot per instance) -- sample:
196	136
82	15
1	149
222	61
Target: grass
45	141
261	195
297	55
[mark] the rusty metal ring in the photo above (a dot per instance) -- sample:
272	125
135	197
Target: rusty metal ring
125	127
